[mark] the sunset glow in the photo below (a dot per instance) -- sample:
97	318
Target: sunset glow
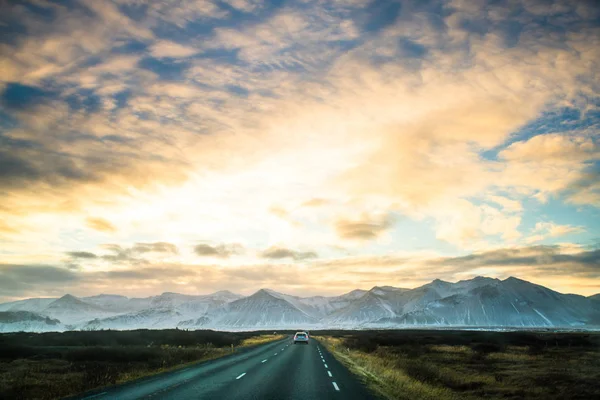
310	147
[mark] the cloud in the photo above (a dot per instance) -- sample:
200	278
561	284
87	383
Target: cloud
561	148
136	253
279	253
367	227
81	254
554	164
543	230
101	225
245	5
543	257
165	48
19	279
146	273
131	118
222	250
508	205
157	247
315	202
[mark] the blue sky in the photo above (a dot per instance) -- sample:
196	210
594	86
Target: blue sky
312	147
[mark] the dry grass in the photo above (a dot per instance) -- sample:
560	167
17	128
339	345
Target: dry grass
445	371
253	341
50	372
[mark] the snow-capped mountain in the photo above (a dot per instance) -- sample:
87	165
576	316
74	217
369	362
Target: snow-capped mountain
70	310
265	309
193	305
109	301
32	305
480	303
512	302
161	318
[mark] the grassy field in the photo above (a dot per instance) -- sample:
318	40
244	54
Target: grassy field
54	365
469	365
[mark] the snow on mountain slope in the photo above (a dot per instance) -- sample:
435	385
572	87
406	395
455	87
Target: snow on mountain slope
262	309
108	301
162	318
309	306
71	310
34	305
511	303
323	306
25	321
375	304
193	305
166	310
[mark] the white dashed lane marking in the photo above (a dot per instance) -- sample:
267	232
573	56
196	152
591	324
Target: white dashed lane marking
326	366
329	373
241	376
264	361
336	386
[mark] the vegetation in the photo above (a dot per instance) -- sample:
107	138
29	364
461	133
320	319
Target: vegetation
255	340
462	365
54	365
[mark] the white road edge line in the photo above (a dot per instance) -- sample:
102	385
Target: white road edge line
336	386
263	361
329	372
241	376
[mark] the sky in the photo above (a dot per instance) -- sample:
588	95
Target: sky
311	147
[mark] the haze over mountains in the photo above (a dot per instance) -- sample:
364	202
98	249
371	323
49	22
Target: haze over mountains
477	303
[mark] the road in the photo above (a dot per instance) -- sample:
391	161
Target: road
276	370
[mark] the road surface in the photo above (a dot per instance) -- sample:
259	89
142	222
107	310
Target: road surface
276	370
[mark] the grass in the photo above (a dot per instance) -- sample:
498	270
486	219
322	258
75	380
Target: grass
256	340
55	365
471	365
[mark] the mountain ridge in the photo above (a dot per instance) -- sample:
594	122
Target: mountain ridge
481	302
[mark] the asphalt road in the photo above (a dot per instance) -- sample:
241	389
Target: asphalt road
276	370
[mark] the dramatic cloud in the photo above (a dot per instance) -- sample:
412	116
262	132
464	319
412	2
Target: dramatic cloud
380	133
559	267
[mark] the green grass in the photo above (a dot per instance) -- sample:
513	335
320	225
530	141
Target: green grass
471	365
55	365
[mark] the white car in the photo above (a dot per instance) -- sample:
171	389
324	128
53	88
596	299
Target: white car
301	337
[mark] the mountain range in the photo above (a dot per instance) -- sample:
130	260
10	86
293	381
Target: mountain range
483	303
